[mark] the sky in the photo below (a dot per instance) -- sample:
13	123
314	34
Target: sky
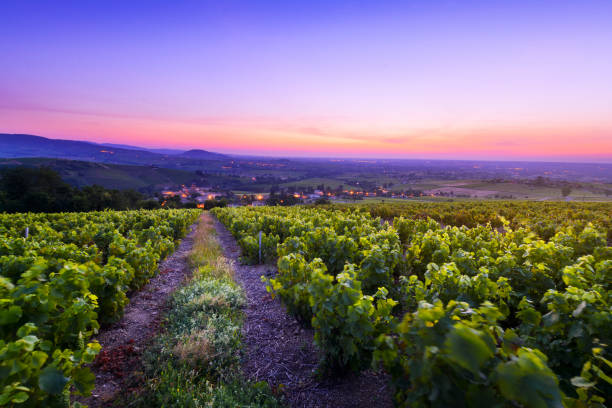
491	80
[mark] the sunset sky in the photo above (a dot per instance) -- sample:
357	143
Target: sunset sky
408	79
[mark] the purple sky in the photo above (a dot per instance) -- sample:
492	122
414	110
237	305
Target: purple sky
497	80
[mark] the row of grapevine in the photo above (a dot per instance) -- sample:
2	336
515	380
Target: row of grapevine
544	218
57	285
458	316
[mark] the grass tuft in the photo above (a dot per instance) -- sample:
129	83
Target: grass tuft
196	361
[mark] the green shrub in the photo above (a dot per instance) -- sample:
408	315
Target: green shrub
460	357
346	322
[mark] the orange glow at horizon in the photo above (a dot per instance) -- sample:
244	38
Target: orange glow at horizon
324	136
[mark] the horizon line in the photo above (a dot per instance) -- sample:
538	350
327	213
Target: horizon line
326	157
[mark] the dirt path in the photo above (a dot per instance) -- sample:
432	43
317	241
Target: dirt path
116	366
279	351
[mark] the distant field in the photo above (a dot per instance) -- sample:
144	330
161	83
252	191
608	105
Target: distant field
115	176
534	192
374	200
489	190
314	182
461	189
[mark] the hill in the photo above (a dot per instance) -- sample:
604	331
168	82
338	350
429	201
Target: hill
202	154
129	147
21	145
113	176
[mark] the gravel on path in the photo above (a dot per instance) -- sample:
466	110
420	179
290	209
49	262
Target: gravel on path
116	367
278	350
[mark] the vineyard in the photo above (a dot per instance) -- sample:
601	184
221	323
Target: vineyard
493	304
62	276
543	218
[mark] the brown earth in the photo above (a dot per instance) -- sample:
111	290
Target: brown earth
278	350
118	365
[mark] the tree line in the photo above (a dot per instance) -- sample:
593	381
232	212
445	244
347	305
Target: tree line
41	189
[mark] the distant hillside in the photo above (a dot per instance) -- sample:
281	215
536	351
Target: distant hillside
81	173
18	145
202	154
129	147
121	146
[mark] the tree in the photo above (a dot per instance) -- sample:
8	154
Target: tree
565	191
41	189
210	204
36	190
282	199
540	181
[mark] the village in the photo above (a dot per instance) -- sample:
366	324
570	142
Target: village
198	196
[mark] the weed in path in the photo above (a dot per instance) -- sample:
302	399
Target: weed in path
196	361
